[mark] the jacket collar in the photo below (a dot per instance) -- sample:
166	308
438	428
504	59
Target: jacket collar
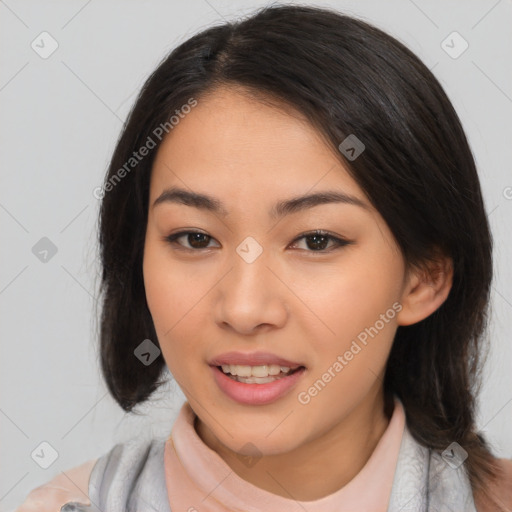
426	482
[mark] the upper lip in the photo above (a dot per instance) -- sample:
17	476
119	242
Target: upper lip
252	359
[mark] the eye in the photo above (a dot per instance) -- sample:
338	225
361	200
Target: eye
196	239
318	241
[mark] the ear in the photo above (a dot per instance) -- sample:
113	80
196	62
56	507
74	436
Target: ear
425	291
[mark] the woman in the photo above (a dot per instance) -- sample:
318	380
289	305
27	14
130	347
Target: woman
292	224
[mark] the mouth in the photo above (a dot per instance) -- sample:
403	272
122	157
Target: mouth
261	374
264	385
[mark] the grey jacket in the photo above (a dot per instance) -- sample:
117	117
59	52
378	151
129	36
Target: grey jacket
131	478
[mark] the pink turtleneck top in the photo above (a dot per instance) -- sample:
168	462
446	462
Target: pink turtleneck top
199	479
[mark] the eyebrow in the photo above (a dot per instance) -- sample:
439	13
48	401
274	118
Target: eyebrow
280	209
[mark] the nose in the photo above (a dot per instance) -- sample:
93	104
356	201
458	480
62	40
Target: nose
251	298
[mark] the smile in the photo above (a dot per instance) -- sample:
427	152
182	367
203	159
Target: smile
256	385
260	374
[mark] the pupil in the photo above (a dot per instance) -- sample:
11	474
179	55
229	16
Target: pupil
316	241
196	237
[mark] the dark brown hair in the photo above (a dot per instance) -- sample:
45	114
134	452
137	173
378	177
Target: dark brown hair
417	169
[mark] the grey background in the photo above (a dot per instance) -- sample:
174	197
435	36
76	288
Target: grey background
61	117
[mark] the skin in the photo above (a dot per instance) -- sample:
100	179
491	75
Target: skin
299	303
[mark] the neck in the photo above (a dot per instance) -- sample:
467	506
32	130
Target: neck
323	465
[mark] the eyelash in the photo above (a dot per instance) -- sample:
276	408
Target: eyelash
339	242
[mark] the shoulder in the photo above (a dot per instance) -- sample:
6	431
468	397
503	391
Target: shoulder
68	486
125	460
103	481
501	490
129	476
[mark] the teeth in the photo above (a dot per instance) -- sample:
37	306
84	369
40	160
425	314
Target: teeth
255	380
254	371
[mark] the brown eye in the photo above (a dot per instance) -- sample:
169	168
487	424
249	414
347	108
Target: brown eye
317	241
195	239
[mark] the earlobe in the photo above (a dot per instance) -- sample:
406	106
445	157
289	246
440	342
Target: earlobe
425	292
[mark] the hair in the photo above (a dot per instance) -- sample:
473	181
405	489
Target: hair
346	77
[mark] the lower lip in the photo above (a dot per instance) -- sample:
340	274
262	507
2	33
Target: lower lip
256	394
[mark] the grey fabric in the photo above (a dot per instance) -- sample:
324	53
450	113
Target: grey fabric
424	482
131	478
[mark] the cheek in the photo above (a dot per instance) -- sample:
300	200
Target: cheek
174	300
354	313
169	290
347	363
165	310
351	297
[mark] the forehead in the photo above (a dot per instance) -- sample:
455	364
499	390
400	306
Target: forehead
236	146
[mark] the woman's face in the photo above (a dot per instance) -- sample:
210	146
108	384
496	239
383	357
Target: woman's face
251	283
